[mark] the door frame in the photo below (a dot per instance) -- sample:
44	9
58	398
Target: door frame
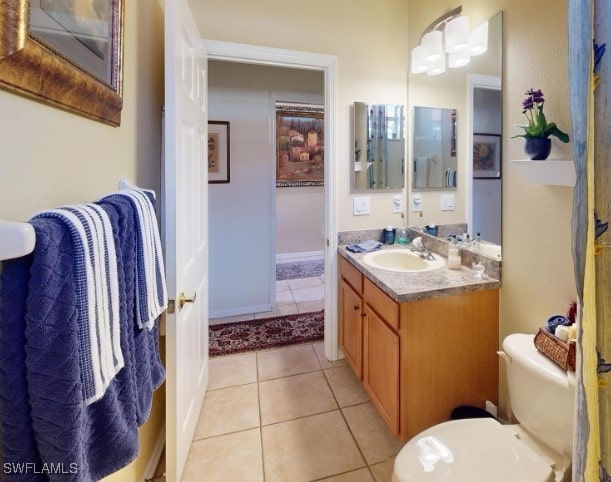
474	81
255	54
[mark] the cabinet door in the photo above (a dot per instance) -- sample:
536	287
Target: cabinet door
351	327
381	367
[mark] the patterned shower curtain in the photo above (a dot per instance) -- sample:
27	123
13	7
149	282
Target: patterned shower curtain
590	94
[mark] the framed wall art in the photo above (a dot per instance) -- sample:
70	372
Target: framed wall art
218	152
300	145
67	54
486	156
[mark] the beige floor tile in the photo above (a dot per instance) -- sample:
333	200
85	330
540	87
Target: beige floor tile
281	309
288	398
228	410
375	439
361	475
229	371
282	285
284	362
299	283
234	457
283	297
346	387
383	471
309	448
319	349
309	294
311	306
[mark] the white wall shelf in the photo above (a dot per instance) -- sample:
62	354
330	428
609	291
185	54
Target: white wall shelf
552	171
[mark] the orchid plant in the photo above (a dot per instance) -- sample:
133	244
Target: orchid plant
538	127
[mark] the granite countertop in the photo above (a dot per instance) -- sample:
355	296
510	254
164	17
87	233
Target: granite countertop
403	287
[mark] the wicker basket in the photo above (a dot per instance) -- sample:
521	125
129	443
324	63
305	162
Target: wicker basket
561	353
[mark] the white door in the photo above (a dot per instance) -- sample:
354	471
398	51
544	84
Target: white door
186	230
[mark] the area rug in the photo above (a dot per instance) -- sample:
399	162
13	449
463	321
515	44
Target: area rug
243	336
300	269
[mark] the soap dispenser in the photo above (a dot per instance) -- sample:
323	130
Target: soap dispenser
454	255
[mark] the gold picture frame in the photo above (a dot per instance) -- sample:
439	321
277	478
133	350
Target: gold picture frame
33	67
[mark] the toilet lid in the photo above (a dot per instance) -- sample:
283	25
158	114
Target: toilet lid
471	450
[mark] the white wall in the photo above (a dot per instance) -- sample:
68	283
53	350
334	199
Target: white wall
370	42
241	217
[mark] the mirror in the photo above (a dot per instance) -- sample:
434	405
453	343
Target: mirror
434	148
379	146
474	91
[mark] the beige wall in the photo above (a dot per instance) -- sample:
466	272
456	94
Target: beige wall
370	42
537	262
49	157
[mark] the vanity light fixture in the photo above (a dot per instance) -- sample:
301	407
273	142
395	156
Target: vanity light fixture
449	34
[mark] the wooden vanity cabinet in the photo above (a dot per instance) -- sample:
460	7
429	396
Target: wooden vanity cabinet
420	359
351	316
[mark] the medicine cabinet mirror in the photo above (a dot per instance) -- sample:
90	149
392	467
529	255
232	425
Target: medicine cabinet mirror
434	148
379	147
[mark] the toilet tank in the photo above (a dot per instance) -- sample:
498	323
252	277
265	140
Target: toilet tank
541	394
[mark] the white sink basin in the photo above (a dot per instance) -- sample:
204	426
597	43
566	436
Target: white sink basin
401	260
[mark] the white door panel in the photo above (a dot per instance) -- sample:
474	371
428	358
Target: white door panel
186	233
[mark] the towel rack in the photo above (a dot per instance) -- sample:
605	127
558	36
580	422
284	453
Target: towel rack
16	239
19	239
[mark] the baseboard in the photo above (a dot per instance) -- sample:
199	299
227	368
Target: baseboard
242	310
151	466
304	254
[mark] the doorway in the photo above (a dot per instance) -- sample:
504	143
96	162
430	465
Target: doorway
248	54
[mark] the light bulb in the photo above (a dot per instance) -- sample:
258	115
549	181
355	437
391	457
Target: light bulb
437	67
431	42
419	60
478	39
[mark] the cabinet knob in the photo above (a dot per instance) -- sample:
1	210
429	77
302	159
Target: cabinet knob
356	307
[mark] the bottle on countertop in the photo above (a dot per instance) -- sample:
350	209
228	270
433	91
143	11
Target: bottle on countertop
454	261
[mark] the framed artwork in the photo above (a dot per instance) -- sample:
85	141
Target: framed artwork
486	156
65	53
218	152
300	145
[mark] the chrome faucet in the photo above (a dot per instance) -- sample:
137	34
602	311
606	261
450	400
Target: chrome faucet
418	246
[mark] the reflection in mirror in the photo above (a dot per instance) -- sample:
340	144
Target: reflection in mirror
434	148
379	146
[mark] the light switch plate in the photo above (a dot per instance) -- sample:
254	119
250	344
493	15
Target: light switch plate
447	202
361	206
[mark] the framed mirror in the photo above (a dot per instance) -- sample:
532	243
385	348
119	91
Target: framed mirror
379	147
65	54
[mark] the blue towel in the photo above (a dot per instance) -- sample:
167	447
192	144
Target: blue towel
151	293
555	321
97	294
364	247
148	370
82	442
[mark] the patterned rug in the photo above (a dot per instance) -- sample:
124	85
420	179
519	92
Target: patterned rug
300	269
254	335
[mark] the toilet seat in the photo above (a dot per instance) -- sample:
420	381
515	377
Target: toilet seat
473	450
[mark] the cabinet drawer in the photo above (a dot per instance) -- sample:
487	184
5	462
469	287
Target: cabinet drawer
352	275
384	306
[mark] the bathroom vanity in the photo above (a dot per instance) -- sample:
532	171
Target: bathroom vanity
421	343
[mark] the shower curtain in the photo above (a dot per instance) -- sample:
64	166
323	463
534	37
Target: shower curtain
590	93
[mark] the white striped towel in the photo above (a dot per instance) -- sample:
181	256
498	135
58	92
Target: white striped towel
97	291
151	291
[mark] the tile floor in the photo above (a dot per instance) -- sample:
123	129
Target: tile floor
301	295
288	415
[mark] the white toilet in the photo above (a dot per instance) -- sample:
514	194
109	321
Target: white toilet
538	449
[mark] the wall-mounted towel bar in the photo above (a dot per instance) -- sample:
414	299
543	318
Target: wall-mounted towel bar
18	239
